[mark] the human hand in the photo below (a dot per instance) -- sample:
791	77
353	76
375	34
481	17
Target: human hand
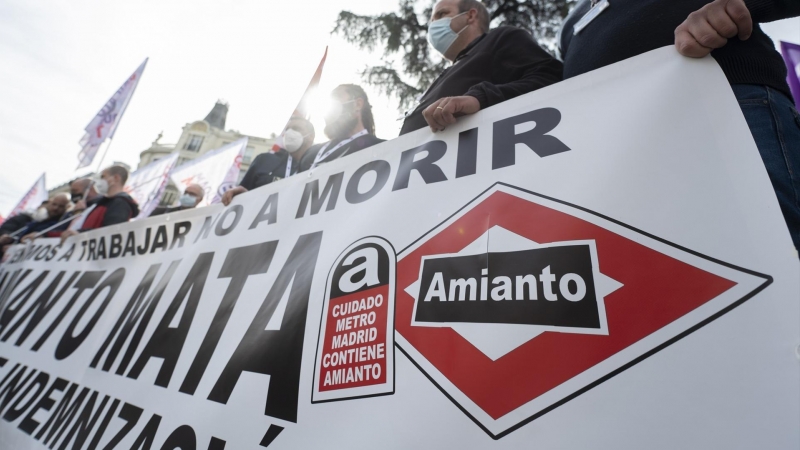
711	26
443	112
66	234
79	206
227	197
28	237
6	239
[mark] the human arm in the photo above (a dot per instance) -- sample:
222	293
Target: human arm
68	233
249	180
711	26
227	197
519	66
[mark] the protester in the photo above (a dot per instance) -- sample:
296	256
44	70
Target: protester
49	225
489	66
728	30
15	223
82	190
112	206
349	125
192	195
10	230
266	168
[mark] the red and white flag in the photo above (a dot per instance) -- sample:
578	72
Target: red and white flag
105	123
303	108
32	199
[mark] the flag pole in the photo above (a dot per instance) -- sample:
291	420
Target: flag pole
103	157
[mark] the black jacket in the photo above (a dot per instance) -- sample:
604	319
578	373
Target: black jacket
356	145
267	168
110	211
12	224
632	27
502	64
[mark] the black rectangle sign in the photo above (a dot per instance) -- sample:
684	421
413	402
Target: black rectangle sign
551	286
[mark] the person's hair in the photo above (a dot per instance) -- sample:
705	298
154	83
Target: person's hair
355	92
121	171
483	13
306	123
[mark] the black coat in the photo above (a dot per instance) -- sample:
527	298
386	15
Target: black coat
267	168
502	64
356	145
632	27
15	223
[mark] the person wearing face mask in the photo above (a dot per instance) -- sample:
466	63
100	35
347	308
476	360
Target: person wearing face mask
81	191
11	229
192	195
349	125
488	66
266	168
112	206
48	220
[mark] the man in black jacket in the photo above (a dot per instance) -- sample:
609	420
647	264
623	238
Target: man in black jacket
57	208
489	66
729	31
269	167
349	125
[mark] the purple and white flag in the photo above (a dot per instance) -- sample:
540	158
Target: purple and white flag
791	54
105	123
32	199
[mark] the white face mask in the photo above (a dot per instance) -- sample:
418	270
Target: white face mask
441	36
292	140
40	215
187	201
101	186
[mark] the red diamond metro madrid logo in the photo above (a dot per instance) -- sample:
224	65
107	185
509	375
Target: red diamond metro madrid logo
549	297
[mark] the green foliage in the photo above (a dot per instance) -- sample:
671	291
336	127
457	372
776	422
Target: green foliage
409	65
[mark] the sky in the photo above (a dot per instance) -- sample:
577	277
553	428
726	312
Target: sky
63	59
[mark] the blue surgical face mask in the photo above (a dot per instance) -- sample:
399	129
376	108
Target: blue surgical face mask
187	201
441	36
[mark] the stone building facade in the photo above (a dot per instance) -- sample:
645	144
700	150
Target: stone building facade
200	137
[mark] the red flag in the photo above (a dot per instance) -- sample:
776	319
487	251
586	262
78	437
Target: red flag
303	107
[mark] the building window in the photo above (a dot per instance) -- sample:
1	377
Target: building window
167	199
248	154
194	143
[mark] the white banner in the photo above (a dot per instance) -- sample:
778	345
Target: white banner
146	185
32	199
105	123
216	171
598	264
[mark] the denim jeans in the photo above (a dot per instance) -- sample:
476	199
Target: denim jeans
775	125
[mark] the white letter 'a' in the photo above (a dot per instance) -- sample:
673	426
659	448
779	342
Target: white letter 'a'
369	266
436	288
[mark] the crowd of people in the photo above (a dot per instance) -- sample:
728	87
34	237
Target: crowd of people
489	66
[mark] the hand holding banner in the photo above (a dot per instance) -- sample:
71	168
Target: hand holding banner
560	269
